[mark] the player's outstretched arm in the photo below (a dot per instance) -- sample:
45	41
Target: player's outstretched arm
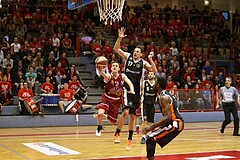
152	66
117	47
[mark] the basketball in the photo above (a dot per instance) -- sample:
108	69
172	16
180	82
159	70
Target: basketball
101	61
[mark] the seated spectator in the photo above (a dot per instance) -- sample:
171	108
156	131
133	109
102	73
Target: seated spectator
56	53
7	61
18	81
59	81
173	49
221	78
207	81
27	60
63	59
47	86
38	60
67	45
55	41
43	39
160	72
147	6
49	60
175	93
80	92
66	96
166	49
24	94
74	84
160	55
73	72
25	49
207	67
35	46
107	49
207	96
170	82
47	48
197	98
19	67
151	48
97	48
40	74
190	73
5	91
4	45
9	72
50	68
31	79
189	82
60	68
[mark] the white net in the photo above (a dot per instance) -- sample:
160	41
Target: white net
110	10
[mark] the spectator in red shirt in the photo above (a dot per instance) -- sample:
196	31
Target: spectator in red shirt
97	48
190	73
186	49
170	83
107	49
151	48
47	87
5	91
35	45
74	84
67	44
60	68
207	81
66	96
24	94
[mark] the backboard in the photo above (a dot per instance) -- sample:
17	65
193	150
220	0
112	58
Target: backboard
74	4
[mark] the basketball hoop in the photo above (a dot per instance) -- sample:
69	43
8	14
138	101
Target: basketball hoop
110	10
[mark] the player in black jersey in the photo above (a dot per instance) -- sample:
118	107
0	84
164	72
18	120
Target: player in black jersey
169	126
147	102
134	70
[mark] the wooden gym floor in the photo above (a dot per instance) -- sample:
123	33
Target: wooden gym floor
202	139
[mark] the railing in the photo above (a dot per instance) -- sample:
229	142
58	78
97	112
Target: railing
192	100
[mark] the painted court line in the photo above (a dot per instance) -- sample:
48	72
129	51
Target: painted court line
74	133
15	152
215	155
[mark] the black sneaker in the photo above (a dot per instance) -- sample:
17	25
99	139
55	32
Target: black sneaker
222	130
236	134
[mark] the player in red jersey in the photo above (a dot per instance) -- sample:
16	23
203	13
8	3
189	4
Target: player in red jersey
47	86
111	98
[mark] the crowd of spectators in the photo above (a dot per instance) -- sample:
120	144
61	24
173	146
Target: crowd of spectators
38	39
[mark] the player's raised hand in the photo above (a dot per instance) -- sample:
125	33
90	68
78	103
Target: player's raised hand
151	54
121	32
